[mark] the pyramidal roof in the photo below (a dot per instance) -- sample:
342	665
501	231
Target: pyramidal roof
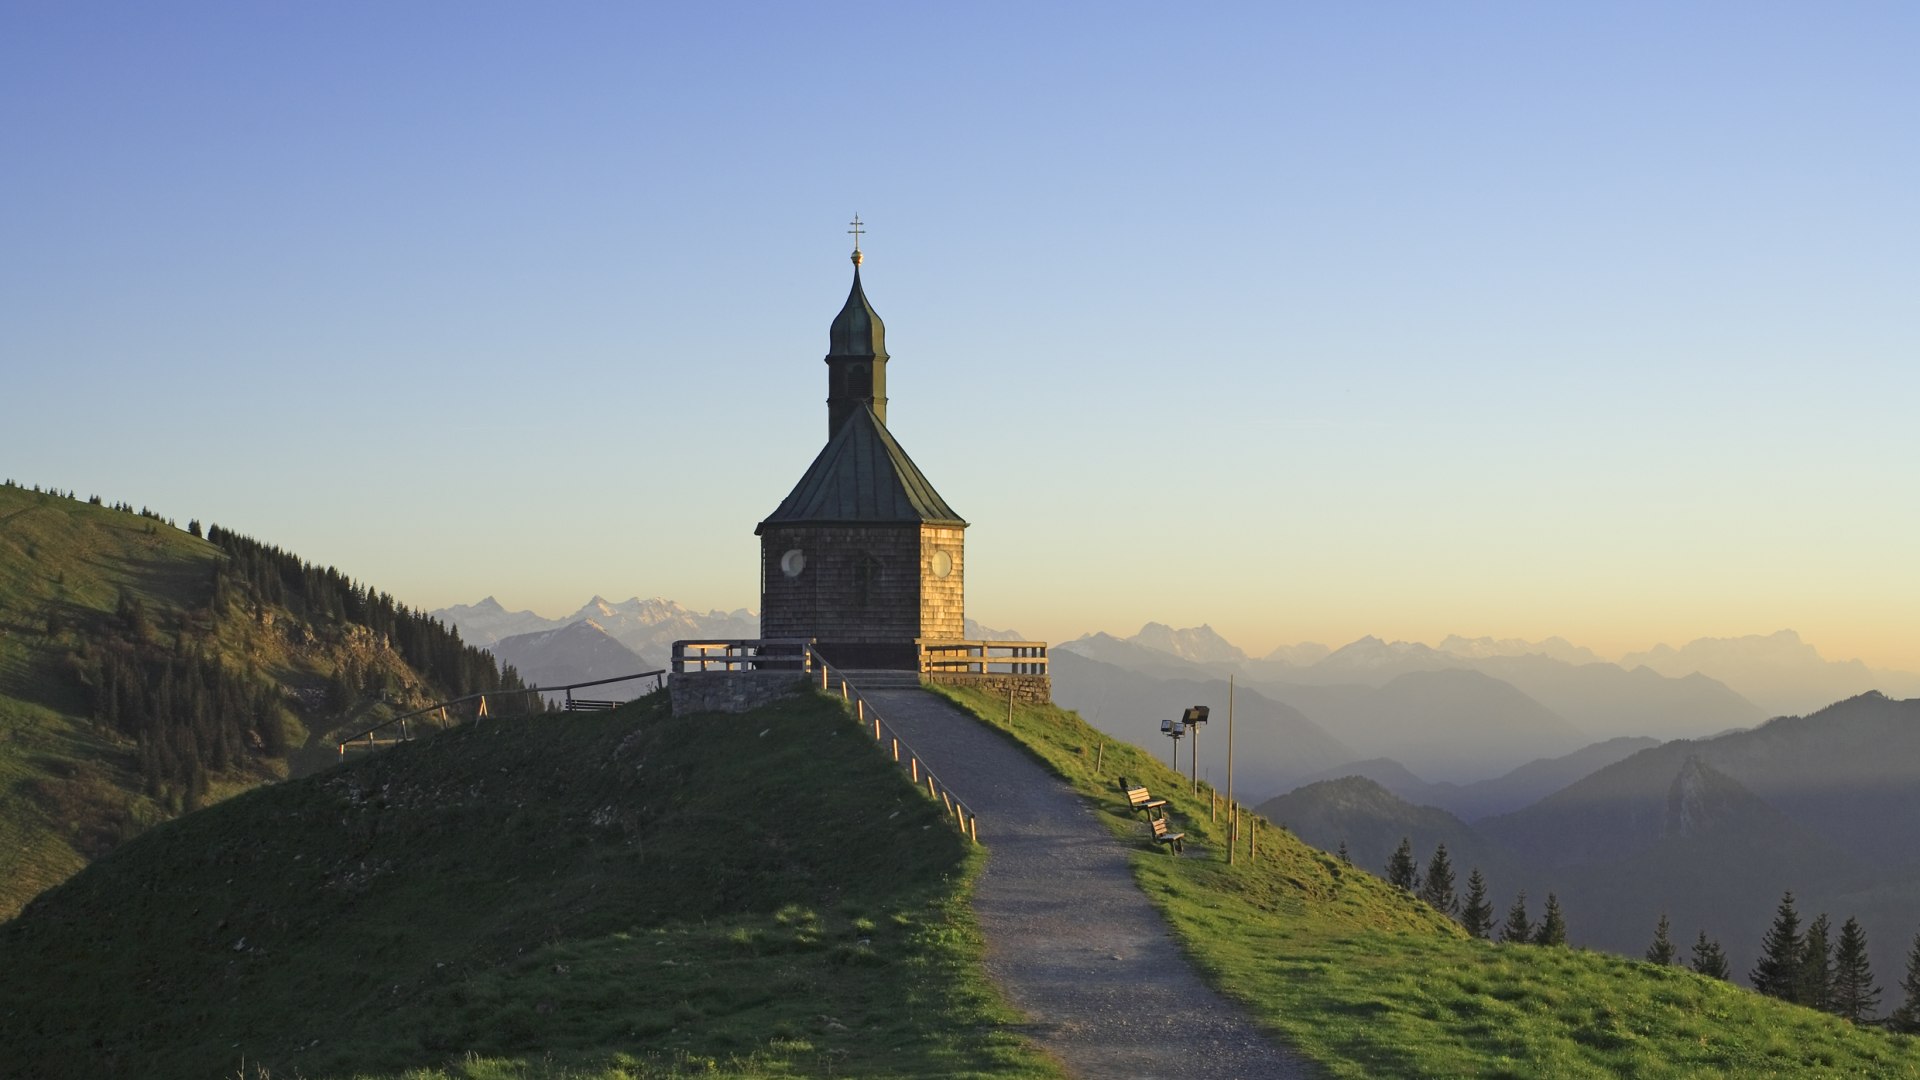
863	477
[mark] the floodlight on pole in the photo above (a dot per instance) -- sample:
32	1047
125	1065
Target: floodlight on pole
1193	718
1174	729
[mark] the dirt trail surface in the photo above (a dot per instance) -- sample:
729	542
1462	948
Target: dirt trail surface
1071	939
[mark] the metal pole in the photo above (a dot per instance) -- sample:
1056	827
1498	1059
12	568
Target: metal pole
1233	825
1195	756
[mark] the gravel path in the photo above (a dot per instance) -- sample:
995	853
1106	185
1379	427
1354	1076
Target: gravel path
1071	939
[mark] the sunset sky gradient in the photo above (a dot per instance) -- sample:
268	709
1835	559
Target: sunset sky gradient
1305	321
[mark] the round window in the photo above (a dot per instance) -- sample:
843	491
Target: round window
793	562
942	564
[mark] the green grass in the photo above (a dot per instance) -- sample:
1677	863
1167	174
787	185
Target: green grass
580	895
1371	983
64	788
70	791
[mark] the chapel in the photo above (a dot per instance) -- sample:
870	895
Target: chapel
863	556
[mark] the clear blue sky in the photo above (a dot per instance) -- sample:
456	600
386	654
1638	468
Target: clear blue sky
1307	321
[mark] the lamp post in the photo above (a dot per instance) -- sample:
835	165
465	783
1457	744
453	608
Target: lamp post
1174	729
1194	718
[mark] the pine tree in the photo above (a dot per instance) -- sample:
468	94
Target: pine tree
1709	960
1400	871
1778	973
1907	1016
1518	928
1437	890
1661	951
1344	856
1816	964
1854	996
1477	915
1553	926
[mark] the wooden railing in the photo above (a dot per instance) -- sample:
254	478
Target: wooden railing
480	711
946	657
891	744
743	654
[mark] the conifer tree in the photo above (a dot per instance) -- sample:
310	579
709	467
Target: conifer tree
1517	928
1854	996
1437	890
1778	972
1553	926
1816	964
1477	915
1661	951
1344	856
1907	1016
1400	869
1709	959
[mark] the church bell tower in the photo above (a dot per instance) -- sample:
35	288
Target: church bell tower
863	556
856	353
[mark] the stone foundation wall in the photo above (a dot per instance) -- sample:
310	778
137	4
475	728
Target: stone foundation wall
1027	689
730	691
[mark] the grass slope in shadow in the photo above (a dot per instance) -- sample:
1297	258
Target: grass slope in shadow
591	895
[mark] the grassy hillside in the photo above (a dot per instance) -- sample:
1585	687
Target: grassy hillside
63	784
618	894
1372	983
145	671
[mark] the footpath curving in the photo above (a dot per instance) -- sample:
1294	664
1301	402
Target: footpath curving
1071	940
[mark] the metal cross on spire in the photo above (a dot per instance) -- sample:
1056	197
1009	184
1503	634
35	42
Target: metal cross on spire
856	231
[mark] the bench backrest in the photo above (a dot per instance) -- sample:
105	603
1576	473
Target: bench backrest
1160	826
1138	795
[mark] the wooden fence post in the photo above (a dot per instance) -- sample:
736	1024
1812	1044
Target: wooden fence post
913	766
1098	757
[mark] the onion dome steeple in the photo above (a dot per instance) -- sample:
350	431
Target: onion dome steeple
857	353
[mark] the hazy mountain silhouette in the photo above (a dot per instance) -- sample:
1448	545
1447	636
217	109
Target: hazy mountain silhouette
1372	821
1553	648
1783	674
1452	724
488	621
649	627
1713	830
1273	743
1200	644
1522	786
1135	657
577	652
1606	701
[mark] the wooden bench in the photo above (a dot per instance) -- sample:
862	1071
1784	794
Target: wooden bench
580	704
1138	798
1174	840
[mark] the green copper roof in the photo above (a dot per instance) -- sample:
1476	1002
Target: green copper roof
863	477
857	330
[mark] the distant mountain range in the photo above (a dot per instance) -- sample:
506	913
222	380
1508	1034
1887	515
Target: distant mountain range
648	627
578	652
1274	744
1458	715
1708	831
1784	674
1525	785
